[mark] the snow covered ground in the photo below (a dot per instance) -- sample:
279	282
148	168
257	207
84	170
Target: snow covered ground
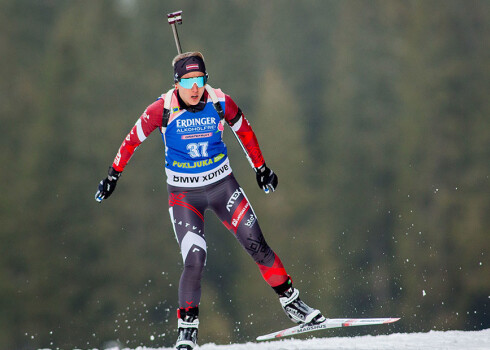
434	340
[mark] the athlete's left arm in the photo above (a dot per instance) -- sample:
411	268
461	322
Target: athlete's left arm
237	121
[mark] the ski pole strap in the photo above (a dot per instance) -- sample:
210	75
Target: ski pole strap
166	108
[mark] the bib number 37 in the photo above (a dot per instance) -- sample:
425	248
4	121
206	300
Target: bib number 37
197	150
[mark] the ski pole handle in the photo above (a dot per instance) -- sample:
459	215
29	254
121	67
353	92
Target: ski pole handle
175	18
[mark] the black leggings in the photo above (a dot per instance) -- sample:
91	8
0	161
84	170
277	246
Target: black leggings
228	201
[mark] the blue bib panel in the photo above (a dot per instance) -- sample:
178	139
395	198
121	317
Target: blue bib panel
195	153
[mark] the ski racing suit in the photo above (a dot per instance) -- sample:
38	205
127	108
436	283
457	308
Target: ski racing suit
199	177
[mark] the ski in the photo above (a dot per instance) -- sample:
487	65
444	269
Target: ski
328	323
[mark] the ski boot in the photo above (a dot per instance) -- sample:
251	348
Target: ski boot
188	323
295	308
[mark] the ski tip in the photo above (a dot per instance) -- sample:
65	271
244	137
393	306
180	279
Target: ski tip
265	337
391	320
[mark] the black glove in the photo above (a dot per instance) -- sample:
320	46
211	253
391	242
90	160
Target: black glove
107	186
266	179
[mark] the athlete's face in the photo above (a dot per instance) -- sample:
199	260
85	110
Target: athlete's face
191	96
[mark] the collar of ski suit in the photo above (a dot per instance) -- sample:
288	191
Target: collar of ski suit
197	108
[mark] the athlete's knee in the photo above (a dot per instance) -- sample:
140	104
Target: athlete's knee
196	259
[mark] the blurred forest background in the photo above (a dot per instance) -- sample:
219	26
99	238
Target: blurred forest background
374	114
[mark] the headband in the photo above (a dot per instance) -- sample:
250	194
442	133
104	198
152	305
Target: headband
187	65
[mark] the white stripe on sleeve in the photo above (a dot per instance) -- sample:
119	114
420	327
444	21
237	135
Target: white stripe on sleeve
139	131
238	124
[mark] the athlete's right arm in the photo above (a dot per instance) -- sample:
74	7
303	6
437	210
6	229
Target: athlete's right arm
144	126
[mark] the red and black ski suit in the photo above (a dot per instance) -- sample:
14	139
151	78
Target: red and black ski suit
199	177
